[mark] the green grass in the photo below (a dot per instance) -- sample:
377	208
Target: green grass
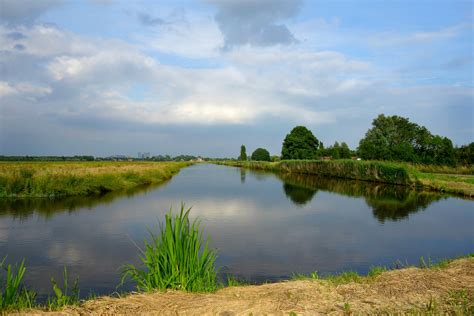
176	258
58	179
13	295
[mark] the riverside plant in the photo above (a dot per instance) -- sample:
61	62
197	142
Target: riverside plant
13	295
176	258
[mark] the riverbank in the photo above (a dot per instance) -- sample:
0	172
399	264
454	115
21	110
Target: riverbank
446	288
374	171
59	179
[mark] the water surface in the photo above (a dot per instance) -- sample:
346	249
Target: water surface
265	226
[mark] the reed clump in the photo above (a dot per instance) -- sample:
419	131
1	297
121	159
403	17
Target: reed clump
13	294
176	258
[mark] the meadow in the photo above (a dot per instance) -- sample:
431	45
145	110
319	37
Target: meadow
59	179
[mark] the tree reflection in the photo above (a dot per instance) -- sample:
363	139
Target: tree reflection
388	202
298	194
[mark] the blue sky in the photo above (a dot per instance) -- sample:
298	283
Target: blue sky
106	77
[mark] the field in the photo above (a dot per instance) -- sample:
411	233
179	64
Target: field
57	179
458	181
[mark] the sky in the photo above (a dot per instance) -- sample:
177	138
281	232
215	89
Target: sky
108	77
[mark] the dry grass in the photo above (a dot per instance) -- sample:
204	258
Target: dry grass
414	291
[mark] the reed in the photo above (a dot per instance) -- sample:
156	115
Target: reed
13	295
176	258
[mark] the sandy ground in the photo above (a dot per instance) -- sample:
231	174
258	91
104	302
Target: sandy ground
409	290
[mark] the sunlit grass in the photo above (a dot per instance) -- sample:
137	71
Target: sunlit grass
176	258
54	179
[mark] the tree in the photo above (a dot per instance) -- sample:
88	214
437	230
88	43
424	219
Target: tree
465	154
300	143
243	153
396	138
344	151
261	154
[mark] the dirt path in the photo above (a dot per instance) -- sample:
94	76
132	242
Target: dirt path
406	290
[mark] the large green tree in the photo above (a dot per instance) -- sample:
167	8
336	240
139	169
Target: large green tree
261	154
300	143
243	153
396	138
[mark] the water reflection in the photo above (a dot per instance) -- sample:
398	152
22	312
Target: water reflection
388	202
23	208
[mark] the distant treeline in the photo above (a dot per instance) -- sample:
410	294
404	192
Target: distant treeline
391	138
110	158
47	158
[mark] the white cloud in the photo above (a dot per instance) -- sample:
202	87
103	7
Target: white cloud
419	37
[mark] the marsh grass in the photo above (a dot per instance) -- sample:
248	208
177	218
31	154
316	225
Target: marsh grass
57	179
176	258
13	295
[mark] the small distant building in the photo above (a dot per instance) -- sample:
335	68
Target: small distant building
326	158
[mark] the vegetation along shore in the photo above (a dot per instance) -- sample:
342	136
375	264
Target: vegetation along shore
59	179
376	171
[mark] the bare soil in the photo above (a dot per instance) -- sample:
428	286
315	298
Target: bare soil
411	290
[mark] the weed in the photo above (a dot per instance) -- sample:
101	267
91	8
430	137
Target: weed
62	297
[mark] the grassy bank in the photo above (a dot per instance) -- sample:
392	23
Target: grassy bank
375	171
57	179
443	288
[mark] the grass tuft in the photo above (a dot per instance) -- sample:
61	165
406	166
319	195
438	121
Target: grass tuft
13	295
176	258
62	298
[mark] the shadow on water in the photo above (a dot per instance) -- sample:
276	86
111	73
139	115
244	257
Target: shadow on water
388	202
46	208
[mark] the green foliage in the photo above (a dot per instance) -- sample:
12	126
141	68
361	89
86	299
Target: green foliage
176	258
243	153
62	298
300	143
13	295
396	138
465	154
261	154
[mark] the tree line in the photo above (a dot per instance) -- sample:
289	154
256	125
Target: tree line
391	138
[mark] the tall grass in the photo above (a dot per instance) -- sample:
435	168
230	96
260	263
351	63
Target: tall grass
13	295
56	179
176	258
377	171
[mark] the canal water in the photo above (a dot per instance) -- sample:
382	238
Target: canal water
265	226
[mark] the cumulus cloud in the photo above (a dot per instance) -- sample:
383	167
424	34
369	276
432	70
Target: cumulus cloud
257	23
25	11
